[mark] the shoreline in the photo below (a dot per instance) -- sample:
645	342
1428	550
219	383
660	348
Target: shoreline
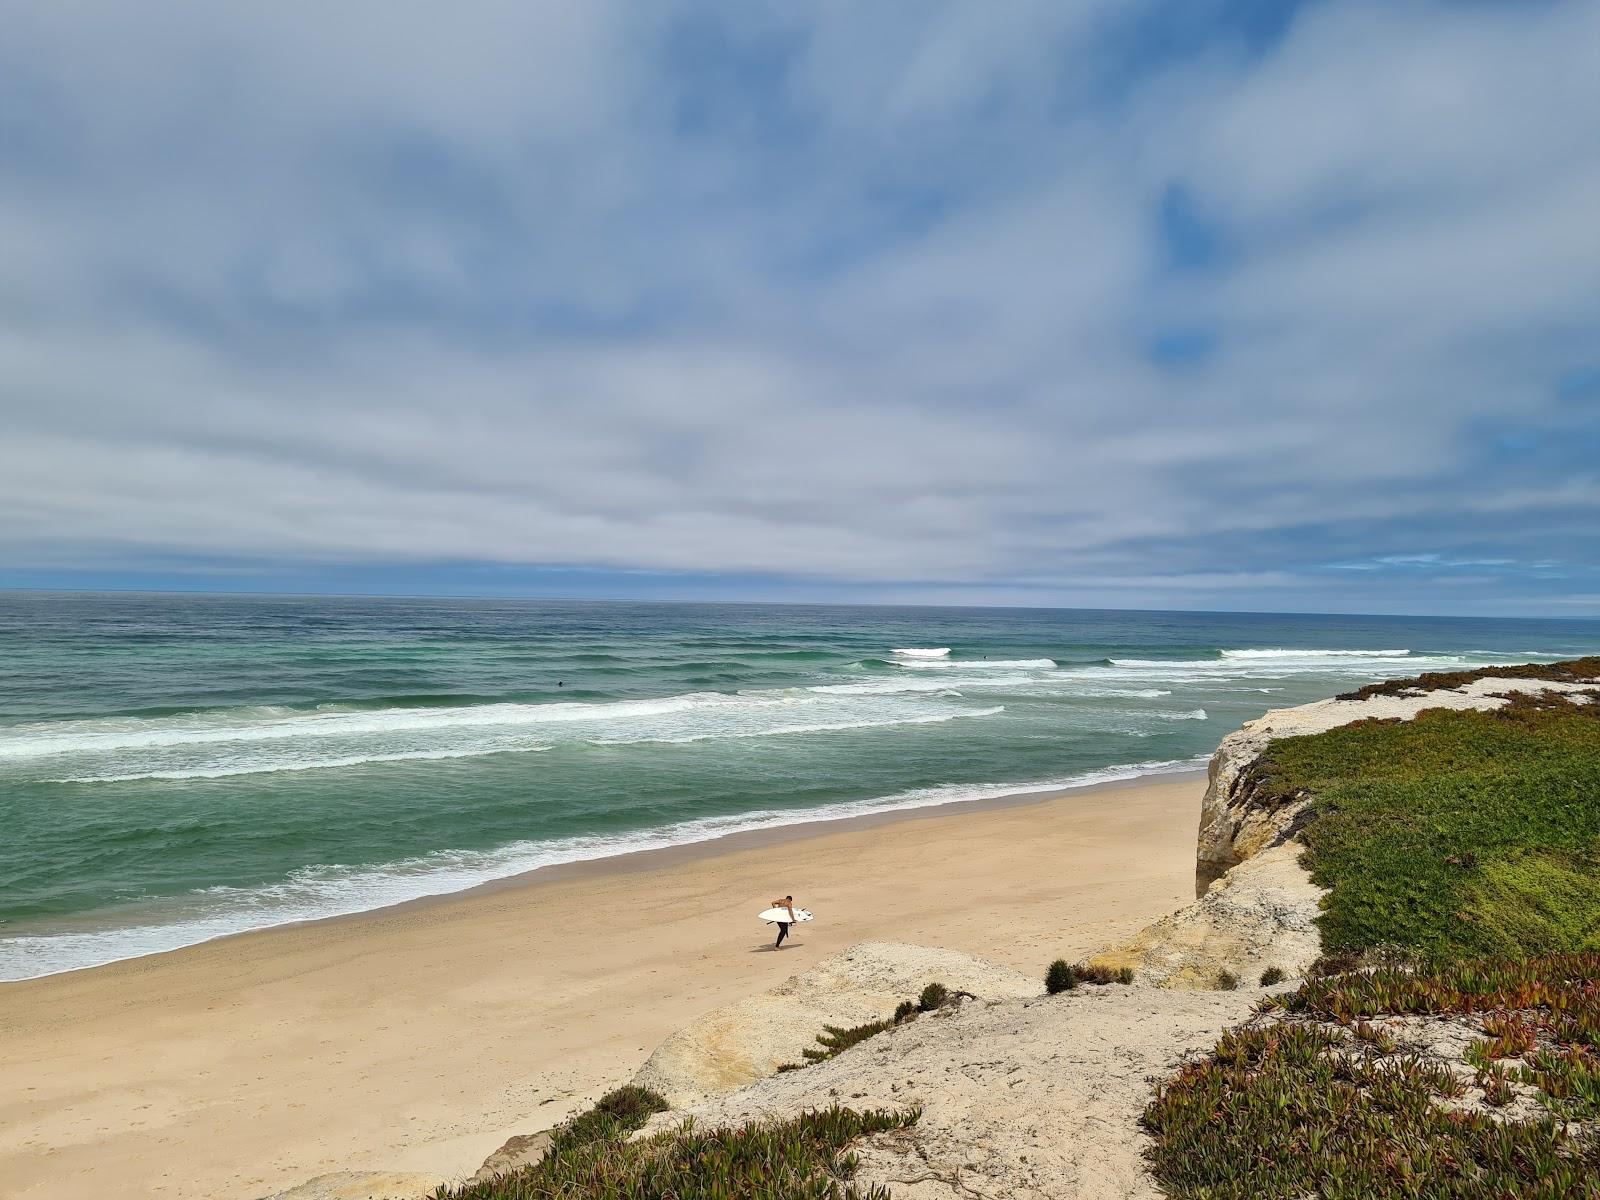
419	1037
649	857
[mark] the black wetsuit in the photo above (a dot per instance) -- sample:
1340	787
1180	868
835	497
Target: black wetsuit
783	932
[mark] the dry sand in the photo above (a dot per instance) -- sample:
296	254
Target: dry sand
419	1038
1033	1099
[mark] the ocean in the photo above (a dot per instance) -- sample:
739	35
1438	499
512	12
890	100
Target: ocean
176	768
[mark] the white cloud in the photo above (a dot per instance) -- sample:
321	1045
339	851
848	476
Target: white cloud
843	294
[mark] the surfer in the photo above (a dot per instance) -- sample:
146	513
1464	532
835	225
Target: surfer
783	926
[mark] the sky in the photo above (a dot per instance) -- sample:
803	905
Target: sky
1254	305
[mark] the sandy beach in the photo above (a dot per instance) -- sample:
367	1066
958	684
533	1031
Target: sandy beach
420	1037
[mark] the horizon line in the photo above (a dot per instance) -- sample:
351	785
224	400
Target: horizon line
547	599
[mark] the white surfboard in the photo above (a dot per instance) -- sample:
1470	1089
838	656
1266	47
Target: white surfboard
782	914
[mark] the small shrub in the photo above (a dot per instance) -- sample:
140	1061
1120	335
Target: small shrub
806	1158
1327	965
1061	977
933	996
1496	1084
614	1115
1227	981
836	1040
1271	976
1124	974
1381	1040
1096	974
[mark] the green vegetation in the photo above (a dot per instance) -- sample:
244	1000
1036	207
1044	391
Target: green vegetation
835	1039
1322	1104
1573	670
1064	976
1456	834
1061	977
1271	975
1461	851
616	1114
806	1158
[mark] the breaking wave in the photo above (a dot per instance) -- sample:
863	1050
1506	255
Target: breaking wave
1315	653
264	739
313	893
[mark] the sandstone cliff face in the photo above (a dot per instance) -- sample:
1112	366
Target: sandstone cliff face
751	1038
1260	914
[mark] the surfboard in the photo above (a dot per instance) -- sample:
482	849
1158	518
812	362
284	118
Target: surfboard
782	914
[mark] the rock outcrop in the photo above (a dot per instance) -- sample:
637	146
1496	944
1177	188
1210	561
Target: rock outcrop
1021	1099
362	1185
750	1039
524	1150
1261	914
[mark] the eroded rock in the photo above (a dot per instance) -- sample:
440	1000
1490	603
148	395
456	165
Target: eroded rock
362	1185
748	1040
1260	914
524	1150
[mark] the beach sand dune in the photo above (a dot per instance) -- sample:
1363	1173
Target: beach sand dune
417	1039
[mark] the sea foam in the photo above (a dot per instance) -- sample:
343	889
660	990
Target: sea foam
256	741
314	893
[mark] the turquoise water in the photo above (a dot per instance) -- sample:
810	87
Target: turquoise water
176	768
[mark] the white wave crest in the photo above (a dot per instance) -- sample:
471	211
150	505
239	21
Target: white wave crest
781	730
1274	665
317	892
940	685
921	652
1315	653
273	724
219	745
273	768
980	664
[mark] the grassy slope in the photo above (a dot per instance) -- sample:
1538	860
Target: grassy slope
1573	670
1455	836
1326	1103
1457	833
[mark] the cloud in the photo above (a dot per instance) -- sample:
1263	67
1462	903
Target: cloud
1068	301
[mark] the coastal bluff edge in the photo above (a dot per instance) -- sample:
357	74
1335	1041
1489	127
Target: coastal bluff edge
1024	1094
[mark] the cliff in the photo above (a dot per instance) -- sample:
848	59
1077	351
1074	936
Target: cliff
1026	1095
1257	907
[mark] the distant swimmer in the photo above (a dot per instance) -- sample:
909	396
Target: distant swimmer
787	903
